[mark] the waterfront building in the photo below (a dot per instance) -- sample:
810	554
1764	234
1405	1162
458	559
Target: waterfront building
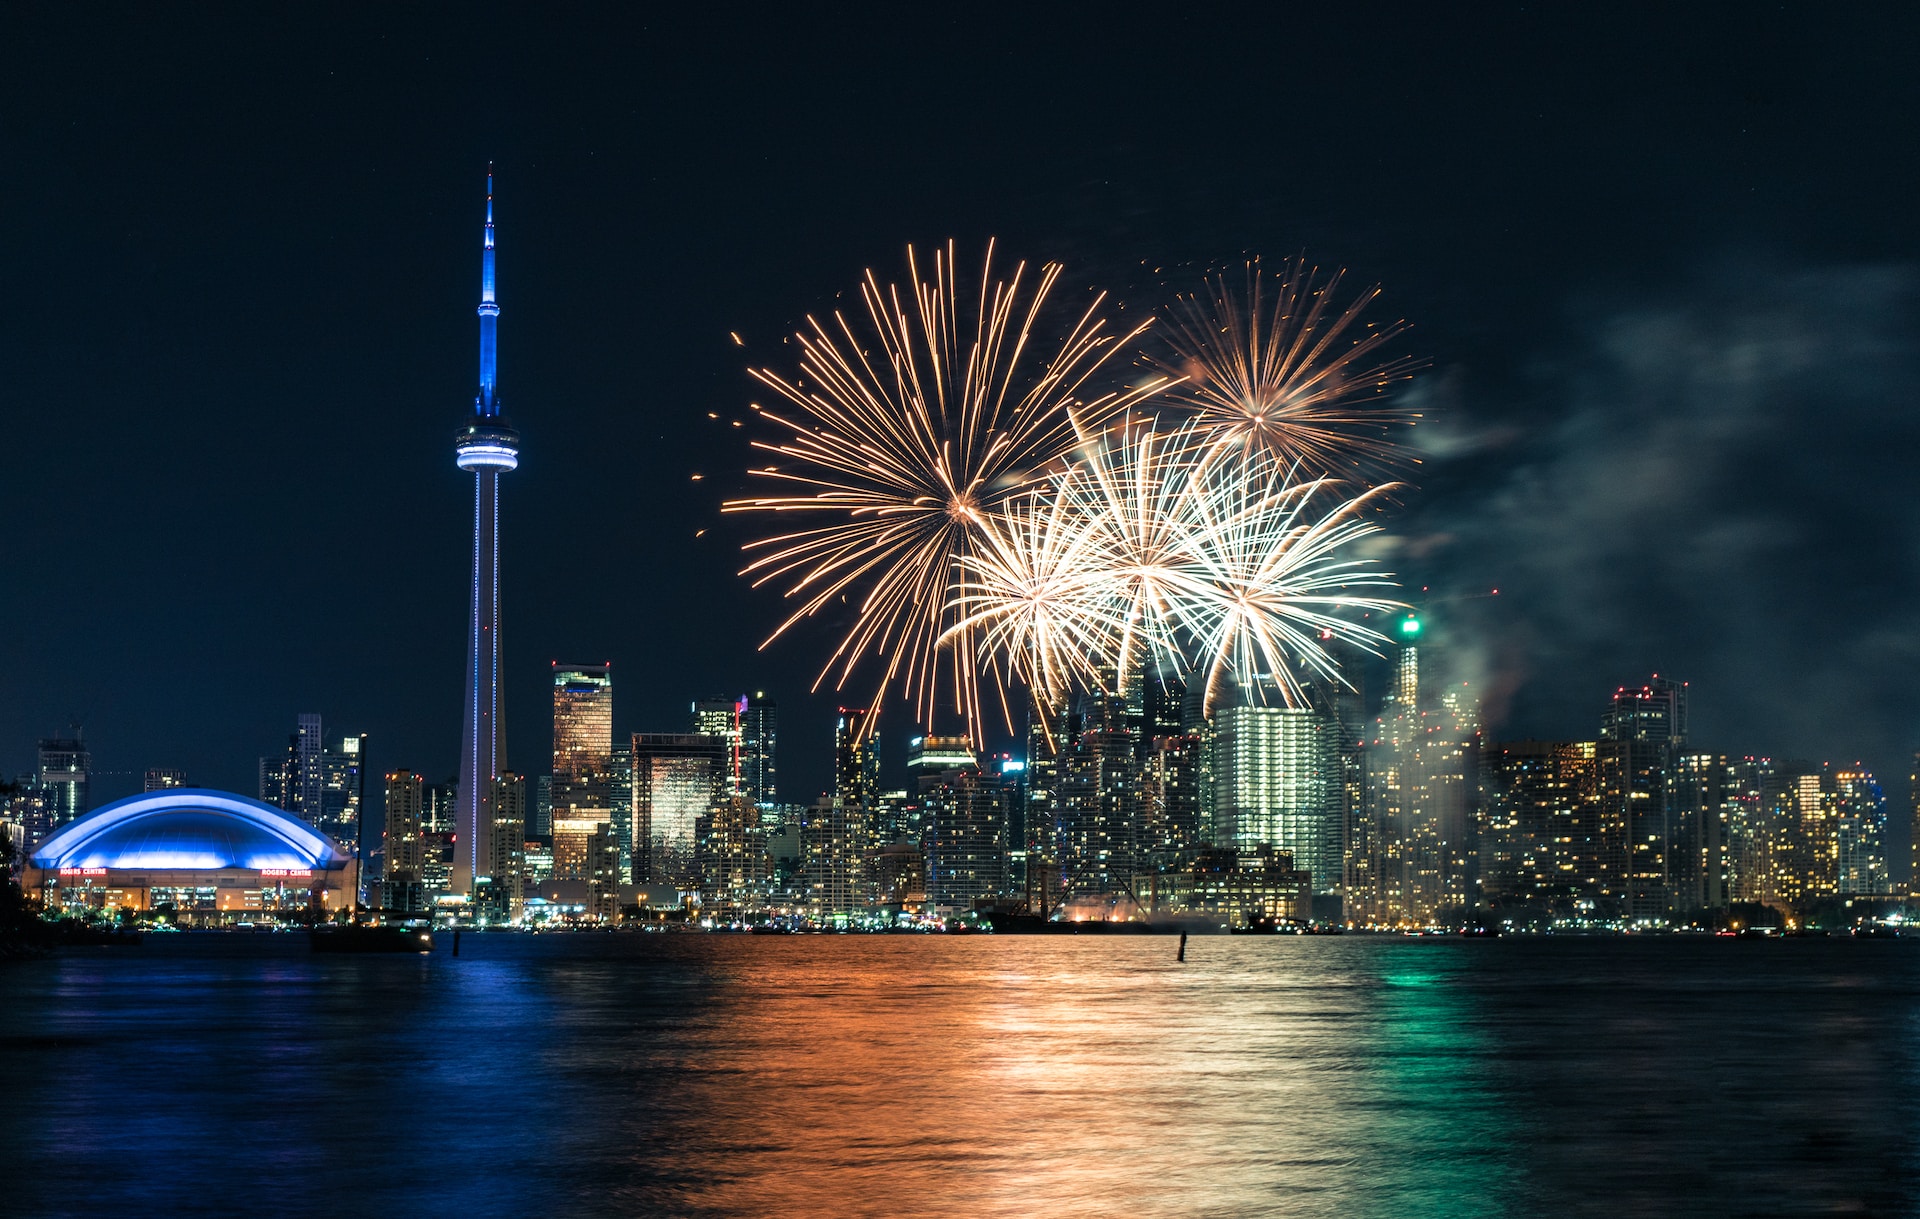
582	790
1913	826
1860	827
488	446
734	867
678	779
1410	851
1233	888
503	893
831	864
966	852
1096	815
602	875
1757	842
1277	782
1539	811
1700	864
403	844
1642	734
1170	801
203	856
621	803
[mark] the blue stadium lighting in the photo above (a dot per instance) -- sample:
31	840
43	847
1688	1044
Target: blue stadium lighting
189	828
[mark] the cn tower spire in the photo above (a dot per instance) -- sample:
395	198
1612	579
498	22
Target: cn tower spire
488	446
488	402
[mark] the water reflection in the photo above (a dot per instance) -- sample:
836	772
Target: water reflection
847	1075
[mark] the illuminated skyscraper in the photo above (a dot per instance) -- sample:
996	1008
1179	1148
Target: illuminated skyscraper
1913	825
1642	733
1277	782
504	895
488	446
65	765
1539	815
403	884
856	757
323	787
749	725
1702	818
966	853
678	779
582	763
159	778
1860	833
1097	809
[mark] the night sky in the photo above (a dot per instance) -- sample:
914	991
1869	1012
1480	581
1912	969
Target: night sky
1662	261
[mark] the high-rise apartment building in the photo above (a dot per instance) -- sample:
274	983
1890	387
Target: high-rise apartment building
1913	826
324	787
1277	782
966	854
503	894
832	860
582	790
1170	801
621	788
403	884
1096	813
1642	735
65	766
1700	865
1860	829
735	870
1539	813
1411	783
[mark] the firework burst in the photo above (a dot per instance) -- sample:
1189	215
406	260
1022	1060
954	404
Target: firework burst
1270	575
911	426
1280	366
1154	545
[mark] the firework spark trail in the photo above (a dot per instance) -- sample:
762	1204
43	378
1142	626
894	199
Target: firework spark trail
912	438
1266	577
1155	544
1033	596
1296	375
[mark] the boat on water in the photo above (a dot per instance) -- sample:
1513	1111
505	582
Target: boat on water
370	937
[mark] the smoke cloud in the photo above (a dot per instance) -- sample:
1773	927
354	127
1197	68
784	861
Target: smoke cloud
1718	485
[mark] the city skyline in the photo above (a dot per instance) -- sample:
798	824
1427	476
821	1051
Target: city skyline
1526	372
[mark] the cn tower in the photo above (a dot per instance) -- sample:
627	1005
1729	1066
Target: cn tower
488	446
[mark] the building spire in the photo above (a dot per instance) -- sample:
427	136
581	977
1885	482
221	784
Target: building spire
488	402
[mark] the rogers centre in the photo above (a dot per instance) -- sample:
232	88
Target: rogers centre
209	856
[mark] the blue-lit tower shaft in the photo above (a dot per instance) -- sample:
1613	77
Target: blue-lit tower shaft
489	447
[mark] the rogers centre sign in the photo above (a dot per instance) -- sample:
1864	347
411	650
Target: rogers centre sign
302	873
